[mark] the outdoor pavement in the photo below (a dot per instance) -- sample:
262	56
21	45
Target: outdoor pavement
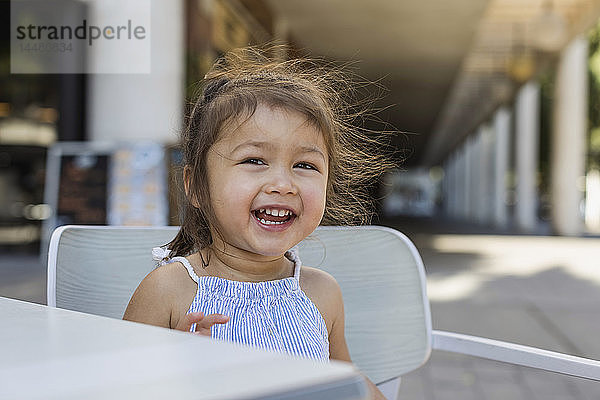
542	291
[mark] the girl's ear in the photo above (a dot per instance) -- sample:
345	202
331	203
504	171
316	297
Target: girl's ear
187	180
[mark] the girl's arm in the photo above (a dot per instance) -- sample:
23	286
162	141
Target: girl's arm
160	295
150	303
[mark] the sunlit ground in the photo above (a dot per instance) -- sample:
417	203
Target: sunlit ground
485	258
538	291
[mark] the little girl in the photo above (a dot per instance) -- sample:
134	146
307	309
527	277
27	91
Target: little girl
270	153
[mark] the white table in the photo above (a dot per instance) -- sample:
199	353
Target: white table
49	353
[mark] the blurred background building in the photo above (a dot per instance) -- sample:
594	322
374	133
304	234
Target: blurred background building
496	103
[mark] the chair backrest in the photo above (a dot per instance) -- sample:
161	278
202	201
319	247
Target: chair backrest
95	269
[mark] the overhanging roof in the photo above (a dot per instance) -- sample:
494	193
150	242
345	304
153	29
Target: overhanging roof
444	62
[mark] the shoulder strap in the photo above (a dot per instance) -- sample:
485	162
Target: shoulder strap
292	255
187	266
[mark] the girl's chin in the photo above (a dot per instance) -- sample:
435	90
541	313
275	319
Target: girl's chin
275	251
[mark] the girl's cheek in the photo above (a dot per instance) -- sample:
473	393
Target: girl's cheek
316	195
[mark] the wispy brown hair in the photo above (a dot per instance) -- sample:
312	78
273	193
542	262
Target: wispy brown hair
234	87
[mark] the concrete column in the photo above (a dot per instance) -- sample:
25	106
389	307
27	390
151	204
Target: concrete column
462	186
128	107
569	138
472	177
478	191
281	31
456	189
527	140
501	149
446	187
485	174
467	202
453	187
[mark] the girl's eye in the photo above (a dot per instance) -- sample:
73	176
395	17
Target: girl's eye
256	161
304	165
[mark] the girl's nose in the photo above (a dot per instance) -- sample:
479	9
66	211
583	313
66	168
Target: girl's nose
282	182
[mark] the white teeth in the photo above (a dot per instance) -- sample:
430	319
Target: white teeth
275	212
270	222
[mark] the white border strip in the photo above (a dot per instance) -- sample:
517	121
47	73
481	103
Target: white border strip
52	258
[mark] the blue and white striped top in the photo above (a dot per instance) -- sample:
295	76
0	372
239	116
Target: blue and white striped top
272	315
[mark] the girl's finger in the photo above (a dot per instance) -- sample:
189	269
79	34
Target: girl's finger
209	320
188	320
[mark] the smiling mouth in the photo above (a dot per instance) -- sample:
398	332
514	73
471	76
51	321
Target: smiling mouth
273	217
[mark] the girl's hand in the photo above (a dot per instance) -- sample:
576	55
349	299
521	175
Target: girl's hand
203	323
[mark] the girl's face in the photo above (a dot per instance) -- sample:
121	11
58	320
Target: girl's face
267	179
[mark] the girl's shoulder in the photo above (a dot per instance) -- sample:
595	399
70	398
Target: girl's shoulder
314	278
176	282
172	274
159	296
168	281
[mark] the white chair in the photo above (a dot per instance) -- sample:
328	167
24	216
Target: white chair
95	269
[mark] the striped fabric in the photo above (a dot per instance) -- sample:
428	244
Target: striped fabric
272	315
